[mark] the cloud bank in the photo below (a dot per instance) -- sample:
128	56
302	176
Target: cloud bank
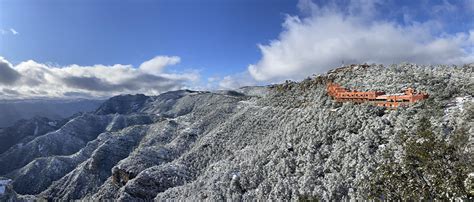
30	79
8	75
331	35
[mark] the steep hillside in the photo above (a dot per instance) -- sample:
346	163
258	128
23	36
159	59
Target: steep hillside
283	142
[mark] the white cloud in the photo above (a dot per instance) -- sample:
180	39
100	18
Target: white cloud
13	31
329	36
156	65
36	80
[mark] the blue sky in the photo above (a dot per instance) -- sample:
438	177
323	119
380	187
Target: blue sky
218	37
72	46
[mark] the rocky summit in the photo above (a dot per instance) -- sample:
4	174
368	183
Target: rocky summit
286	141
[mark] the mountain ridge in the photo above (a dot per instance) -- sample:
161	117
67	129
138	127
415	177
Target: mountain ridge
285	141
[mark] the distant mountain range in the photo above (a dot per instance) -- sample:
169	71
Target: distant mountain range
13	110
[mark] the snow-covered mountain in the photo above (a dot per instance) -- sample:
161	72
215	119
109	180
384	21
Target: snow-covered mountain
282	142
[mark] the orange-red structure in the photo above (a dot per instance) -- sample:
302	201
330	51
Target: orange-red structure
379	98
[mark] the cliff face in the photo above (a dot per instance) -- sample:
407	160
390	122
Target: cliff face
288	141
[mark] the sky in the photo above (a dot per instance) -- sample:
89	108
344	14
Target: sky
101	48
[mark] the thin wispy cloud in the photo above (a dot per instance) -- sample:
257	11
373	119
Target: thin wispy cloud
9	31
13	31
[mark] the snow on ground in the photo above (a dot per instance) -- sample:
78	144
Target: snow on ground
3	184
456	106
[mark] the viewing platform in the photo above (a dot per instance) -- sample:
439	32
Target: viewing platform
378	98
